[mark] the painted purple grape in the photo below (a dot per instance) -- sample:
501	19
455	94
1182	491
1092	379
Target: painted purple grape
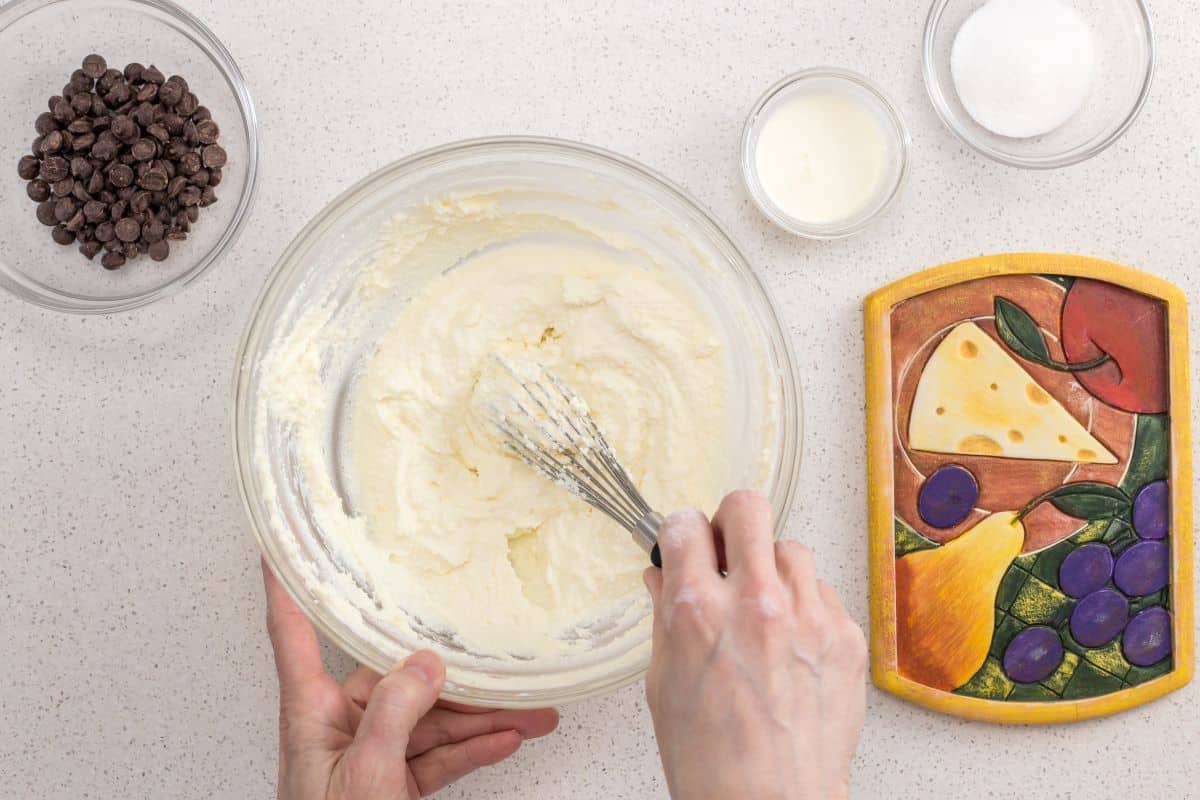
1152	511
947	496
1085	569
1033	654
1143	568
1099	618
1147	637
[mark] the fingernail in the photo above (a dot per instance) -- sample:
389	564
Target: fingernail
423	664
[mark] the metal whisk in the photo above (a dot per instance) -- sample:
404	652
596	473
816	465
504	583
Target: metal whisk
545	424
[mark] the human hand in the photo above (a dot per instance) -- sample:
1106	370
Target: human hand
757	680
373	737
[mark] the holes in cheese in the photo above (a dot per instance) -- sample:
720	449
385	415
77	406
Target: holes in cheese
973	398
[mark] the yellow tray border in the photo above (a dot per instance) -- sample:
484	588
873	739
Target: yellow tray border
881	550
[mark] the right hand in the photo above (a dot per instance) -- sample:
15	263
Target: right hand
757	680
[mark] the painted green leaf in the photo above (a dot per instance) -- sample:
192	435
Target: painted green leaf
909	541
1150	457
1019	331
1084	500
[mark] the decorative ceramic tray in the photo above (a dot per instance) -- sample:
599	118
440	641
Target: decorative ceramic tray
1030	488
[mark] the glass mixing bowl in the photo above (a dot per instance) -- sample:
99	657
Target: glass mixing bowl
325	259
41	43
1124	45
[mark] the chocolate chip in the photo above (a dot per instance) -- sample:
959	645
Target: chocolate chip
128	230
207	131
45	213
62	235
140	202
112	260
38	190
187	105
152	75
173	123
90	249
120	175
81	104
109	79
45	123
189	196
55	169
214	156
105	232
27	167
214	177
105	147
83	141
201	113
155	180
79	191
81	125
75	223
63	114
125	129
81	168
94	66
159	250
143	149
171	92
94	210
65	208
52	142
62	188
189	164
145	112
133	71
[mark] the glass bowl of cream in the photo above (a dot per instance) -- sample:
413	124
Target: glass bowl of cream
380	495
1038	84
824	153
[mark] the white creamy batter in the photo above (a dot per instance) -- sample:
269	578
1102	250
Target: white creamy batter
454	537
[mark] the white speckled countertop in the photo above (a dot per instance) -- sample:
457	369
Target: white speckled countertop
135	661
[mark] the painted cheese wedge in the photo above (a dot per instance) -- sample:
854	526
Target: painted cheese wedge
973	398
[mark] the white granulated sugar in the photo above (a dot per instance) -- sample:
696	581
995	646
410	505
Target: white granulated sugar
1023	67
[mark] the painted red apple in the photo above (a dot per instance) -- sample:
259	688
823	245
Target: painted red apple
1099	319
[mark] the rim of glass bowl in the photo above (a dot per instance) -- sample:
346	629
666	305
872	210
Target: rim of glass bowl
937	96
202	37
836	230
786	467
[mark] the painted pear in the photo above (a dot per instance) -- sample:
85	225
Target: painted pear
945	602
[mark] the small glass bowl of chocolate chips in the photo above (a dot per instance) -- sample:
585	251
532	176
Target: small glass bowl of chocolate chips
126	179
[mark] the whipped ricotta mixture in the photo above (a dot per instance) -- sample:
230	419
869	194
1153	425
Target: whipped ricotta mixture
451	536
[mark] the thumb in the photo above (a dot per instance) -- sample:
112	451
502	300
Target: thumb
394	707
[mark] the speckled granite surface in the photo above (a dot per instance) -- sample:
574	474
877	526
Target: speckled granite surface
135	663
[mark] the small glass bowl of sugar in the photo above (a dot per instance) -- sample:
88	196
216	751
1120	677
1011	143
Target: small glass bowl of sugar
824	153
1038	84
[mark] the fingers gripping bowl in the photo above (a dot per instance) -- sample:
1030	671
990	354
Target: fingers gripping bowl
376	491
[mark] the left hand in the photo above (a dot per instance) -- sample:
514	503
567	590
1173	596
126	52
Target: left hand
373	736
